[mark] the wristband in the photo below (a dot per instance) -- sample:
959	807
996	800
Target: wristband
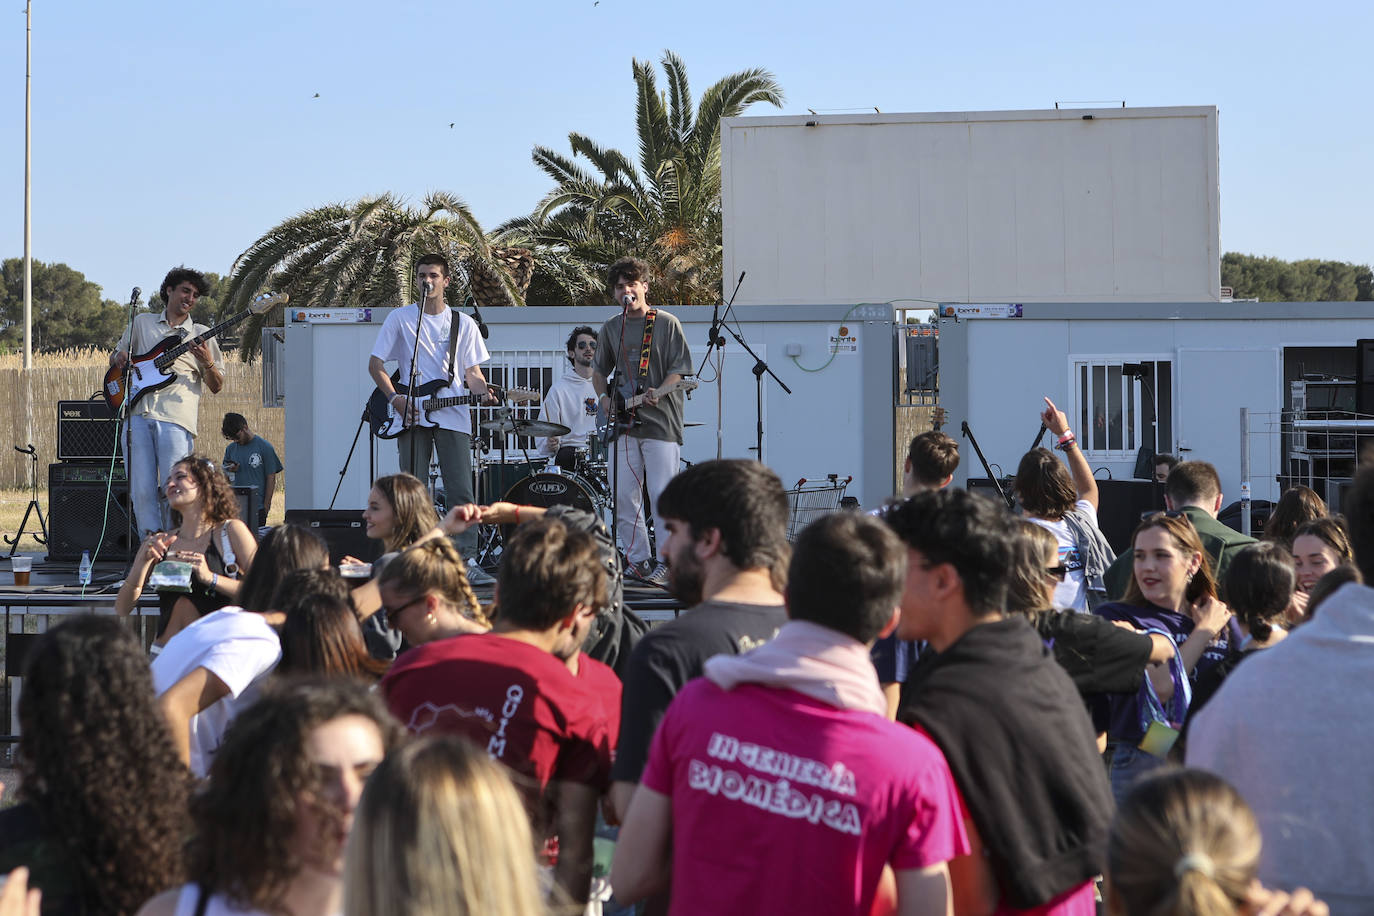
517	515
214	582
1066	441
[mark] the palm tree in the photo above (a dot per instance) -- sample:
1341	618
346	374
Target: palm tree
667	210
364	254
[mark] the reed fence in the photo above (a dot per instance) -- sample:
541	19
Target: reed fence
75	375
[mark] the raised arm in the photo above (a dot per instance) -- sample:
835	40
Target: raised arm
1083	481
150	553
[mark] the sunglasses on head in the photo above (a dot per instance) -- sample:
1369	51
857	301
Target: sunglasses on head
1057	572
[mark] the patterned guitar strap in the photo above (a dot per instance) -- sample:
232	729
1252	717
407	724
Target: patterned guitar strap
645	349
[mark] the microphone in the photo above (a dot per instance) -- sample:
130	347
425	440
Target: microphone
713	336
133	299
481	325
627	300
429	288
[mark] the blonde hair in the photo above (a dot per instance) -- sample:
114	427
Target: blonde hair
434	566
1183	843
441	831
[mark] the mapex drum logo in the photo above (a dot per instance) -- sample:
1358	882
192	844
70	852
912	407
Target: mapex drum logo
548	488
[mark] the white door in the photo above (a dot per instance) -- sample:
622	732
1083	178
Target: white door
1211	387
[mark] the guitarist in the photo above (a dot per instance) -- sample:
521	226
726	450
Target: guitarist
442	355
161	429
649	451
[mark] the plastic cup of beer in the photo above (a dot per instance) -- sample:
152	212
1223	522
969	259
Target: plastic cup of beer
22	567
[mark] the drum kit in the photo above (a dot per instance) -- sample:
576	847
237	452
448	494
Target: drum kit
576	477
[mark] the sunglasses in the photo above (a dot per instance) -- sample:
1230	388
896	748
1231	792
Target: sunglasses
1057	572
584	345
391	613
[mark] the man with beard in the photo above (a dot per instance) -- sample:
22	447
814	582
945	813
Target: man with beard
725	544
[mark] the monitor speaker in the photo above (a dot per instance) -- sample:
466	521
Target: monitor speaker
342	530
1364	376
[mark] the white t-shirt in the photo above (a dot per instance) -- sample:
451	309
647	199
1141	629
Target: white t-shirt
1072	593
234	645
396	342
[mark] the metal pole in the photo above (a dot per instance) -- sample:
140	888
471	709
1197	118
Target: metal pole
1245	470
28	186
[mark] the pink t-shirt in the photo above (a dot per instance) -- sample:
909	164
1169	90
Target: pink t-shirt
784	804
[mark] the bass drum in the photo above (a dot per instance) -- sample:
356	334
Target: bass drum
546	490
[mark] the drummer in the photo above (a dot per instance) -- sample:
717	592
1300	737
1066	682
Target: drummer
571	401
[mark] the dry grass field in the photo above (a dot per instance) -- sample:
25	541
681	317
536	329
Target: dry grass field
31	398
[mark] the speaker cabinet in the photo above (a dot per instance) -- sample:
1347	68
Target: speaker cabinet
82	498
86	432
249	504
342	530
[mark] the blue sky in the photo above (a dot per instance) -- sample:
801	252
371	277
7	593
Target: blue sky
179	132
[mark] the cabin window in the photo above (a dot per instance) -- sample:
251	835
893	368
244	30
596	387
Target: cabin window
1124	403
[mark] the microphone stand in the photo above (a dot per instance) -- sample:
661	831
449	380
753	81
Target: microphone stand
968	433
414	378
715	339
760	367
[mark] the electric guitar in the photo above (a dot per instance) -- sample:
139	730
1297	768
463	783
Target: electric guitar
152	371
388	423
621	416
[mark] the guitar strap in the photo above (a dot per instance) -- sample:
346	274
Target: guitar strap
452	342
647	347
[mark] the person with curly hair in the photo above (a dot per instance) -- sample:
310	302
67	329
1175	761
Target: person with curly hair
209	537
441	831
271	826
94	837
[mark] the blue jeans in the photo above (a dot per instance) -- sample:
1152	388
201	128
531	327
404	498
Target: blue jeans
455	466
150	449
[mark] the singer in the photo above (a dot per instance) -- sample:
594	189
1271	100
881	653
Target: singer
643	350
444	353
162	428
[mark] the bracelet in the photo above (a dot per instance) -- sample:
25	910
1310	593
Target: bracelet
214	582
1066	441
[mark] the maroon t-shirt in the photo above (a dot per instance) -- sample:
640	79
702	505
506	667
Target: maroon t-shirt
516	700
601	679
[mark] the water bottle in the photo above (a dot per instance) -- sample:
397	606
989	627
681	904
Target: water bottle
83	576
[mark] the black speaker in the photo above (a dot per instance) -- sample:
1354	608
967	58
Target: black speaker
77	508
249	504
1364	376
86	432
1120	506
342	530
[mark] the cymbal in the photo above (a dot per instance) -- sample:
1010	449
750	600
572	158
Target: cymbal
522	427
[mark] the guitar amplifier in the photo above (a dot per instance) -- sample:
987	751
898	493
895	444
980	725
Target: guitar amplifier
86	431
82	498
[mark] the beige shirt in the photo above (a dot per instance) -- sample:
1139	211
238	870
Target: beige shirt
179	402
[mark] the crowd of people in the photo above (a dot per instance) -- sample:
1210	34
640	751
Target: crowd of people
933	707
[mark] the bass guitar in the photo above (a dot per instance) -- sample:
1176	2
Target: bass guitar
153	370
621	416
388	423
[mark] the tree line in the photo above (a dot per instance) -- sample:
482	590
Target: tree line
1309	280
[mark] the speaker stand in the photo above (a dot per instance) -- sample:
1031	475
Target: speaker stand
33	508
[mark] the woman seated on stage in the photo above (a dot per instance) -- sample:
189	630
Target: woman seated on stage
399	513
1171	591
210	538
